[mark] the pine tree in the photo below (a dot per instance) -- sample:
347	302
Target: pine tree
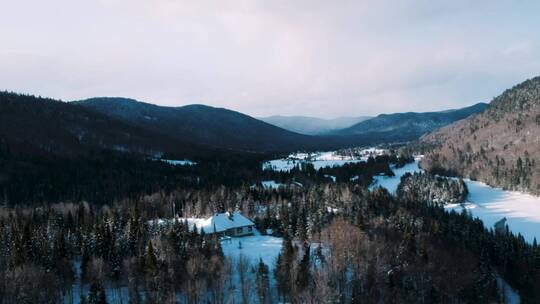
263	283
303	272
96	295
150	260
284	264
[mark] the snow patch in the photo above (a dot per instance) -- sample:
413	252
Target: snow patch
391	183
254	247
270	184
175	162
320	159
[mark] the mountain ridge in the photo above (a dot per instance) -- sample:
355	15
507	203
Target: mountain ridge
408	126
203	124
500	146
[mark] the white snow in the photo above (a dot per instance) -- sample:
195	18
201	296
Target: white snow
332	210
510	295
391	182
333	178
320	159
270	184
218	222
489	204
254	247
174	162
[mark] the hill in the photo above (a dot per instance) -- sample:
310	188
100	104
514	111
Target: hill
204	125
33	124
312	125
500	146
402	127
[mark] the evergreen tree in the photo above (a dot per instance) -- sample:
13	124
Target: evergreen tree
303	271
96	294
150	260
263	283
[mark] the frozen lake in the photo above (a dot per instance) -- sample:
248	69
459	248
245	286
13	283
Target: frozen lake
521	210
489	204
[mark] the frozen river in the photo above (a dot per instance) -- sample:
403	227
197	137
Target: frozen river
490	204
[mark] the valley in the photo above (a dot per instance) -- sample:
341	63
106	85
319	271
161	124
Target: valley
269	152
385	205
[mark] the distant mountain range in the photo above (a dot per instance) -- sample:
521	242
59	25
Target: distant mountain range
203	125
312	125
500	146
32	124
403	127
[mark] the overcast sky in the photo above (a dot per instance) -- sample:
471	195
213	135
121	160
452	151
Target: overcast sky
319	58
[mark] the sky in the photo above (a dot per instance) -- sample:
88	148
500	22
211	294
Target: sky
272	57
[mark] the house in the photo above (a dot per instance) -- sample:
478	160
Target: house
227	224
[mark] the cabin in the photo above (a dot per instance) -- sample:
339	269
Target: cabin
224	224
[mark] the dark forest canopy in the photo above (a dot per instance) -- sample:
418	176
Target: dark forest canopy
393	249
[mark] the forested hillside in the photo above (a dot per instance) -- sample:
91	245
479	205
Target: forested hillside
403	127
200	124
500	146
41	125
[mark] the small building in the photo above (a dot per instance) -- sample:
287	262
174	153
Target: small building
500	226
227	224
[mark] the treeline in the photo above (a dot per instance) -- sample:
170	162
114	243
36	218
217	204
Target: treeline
104	177
107	176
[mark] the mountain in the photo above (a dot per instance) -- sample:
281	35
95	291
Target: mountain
33	124
402	127
203	125
312	125
500	146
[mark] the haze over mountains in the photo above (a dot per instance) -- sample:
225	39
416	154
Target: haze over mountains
312	125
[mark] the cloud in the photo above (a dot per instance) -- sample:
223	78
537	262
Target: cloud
271	57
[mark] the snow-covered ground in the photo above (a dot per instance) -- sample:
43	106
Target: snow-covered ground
391	182
521	210
270	184
510	295
319	159
489	204
175	162
253	247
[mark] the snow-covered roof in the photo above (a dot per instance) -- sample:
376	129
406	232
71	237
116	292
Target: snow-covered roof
220	222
